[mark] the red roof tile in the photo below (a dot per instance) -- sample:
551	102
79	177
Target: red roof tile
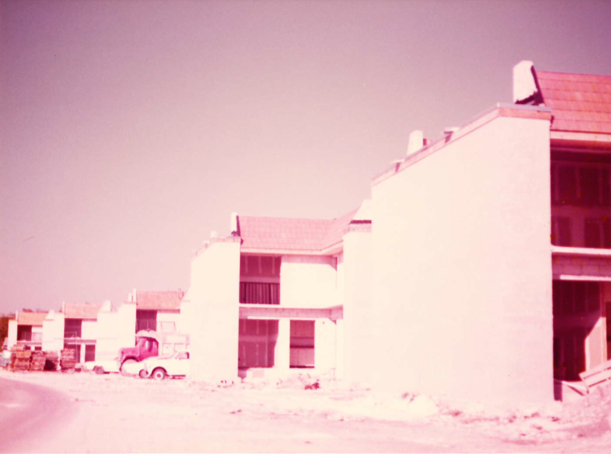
82	310
168	300
579	102
31	318
291	233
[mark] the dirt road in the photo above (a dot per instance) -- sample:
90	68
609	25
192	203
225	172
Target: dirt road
30	412
118	414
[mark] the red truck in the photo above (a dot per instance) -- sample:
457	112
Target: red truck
150	343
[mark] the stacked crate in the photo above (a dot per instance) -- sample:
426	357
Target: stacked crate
68	360
20	360
37	363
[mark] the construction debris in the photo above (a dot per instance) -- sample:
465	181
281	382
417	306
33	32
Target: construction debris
68	361
20	361
37	362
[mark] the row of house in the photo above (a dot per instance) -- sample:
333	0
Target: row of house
97	331
479	269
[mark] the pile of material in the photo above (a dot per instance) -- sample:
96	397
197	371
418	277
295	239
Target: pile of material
37	363
68	360
20	360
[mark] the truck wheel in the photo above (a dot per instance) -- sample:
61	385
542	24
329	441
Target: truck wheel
99	370
128	363
159	374
143	374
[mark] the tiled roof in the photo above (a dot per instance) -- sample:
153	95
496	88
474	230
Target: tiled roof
82	310
291	233
31	318
167	300
579	102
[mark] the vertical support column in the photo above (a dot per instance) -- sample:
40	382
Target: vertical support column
324	346
283	347
606	314
339	349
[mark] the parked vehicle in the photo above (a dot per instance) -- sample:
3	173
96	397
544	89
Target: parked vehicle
159	367
150	344
102	366
5	358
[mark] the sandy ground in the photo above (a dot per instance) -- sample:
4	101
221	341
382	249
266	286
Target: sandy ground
110	413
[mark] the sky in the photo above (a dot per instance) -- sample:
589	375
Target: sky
129	130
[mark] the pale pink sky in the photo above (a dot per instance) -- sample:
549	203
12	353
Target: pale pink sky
130	130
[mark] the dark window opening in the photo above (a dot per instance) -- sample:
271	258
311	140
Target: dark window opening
575	297
259	293
302	344
90	353
73	328
146	320
24	333
583	185
561	231
257	343
597	232
77	350
576	310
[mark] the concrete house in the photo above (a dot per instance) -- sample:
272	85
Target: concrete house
273	296
26	329
75	327
491	248
157	310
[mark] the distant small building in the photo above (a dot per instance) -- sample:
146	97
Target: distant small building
26	329
273	296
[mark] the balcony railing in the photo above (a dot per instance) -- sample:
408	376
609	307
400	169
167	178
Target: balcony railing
259	293
72	333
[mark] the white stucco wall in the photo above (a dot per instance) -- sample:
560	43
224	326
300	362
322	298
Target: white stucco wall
214	293
185	320
53	332
462	269
308	281
89	329
357	353
12	333
325	347
115	330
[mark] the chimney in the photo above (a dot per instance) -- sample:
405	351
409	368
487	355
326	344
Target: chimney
450	130
416	142
525	86
234	224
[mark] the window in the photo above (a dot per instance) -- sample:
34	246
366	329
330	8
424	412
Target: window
257	343
597	232
146	320
73	328
89	352
302	343
259	293
24	333
584	185
77	351
561	231
167	327
575	297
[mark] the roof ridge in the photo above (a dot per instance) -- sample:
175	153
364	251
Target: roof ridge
539	71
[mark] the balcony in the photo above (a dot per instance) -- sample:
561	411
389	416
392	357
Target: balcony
259	293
